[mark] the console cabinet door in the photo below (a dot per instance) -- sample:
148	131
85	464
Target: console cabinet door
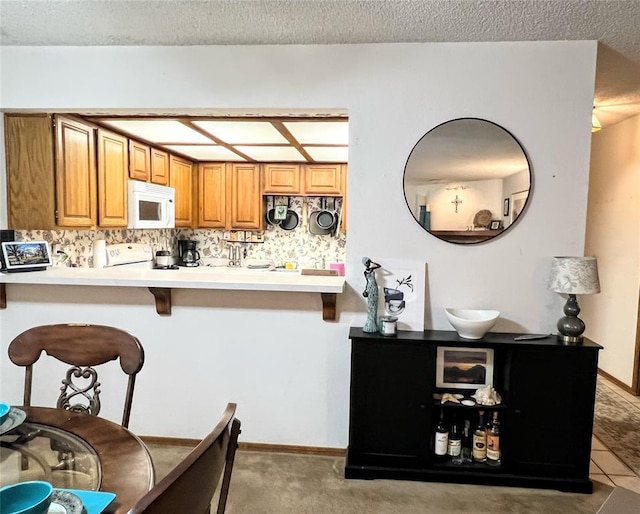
76	188
391	396
112	179
552	402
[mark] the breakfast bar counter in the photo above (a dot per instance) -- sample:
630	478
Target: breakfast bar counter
161	281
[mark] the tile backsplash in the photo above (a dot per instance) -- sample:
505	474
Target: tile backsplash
279	245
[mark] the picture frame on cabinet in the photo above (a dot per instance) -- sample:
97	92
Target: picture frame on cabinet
464	368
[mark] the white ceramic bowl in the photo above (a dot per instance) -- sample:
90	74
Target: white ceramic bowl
472	323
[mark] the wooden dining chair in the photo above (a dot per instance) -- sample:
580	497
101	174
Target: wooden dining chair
82	346
190	486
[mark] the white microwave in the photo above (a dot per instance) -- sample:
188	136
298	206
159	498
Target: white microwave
151	205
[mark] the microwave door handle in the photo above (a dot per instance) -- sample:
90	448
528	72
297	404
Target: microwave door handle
159	211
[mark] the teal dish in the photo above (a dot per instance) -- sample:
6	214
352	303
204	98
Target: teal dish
94	502
4	412
26	498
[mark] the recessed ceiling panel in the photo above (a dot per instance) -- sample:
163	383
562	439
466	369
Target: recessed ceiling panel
205	152
159	131
243	132
318	132
271	153
328	153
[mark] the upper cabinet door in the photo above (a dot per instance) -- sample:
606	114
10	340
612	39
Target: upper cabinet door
282	179
212	195
181	175
245	201
31	202
76	191
139	161
323	179
159	167
113	160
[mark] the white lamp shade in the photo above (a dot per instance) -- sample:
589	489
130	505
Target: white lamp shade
574	275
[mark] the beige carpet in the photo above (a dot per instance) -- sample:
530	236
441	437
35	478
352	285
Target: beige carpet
274	483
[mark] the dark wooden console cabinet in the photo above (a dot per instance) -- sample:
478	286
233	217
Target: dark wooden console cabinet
546	414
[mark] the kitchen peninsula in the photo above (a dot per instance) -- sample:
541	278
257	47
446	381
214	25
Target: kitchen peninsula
161	282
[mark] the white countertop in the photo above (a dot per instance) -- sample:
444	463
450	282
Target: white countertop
241	279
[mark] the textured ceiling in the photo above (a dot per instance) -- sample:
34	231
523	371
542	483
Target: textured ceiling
614	23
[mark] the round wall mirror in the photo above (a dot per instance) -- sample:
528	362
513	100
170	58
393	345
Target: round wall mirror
467	181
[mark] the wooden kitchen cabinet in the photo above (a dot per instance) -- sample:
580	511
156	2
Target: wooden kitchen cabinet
75	172
113	163
229	196
181	178
31	198
281	179
546	413
212	195
245	200
64	173
323	179
139	161
159	167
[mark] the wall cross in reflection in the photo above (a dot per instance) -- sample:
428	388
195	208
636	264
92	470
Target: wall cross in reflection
456	202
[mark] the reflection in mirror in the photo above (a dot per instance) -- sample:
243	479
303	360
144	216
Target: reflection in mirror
467	180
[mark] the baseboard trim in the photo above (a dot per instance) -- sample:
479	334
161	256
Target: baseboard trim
169	441
289	448
617	382
251	447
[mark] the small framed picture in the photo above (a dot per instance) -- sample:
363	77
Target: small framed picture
495	225
464	368
505	210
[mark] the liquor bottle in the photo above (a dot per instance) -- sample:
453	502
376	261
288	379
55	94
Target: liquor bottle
480	440
441	437
493	441
467	442
454	445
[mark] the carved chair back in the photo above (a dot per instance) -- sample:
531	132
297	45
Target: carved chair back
190	486
83	347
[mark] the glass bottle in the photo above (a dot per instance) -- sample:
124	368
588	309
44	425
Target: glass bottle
454	445
493	441
480	440
467	442
441	437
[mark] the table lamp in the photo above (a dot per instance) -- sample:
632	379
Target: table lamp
572	276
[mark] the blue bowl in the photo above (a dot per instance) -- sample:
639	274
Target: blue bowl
26	498
4	412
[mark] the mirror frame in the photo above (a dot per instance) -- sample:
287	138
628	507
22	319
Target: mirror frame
478	240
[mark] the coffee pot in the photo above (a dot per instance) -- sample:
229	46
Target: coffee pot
187	253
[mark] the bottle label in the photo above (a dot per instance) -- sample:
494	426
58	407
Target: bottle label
441	443
493	447
454	447
479	446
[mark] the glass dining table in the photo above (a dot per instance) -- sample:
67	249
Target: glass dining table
75	451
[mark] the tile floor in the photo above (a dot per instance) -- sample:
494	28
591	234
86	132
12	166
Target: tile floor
605	466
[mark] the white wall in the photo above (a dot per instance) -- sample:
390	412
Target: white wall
613	236
272	353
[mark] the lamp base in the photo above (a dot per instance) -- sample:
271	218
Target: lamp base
570	326
570	339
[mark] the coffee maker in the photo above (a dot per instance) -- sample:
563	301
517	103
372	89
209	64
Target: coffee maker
187	253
